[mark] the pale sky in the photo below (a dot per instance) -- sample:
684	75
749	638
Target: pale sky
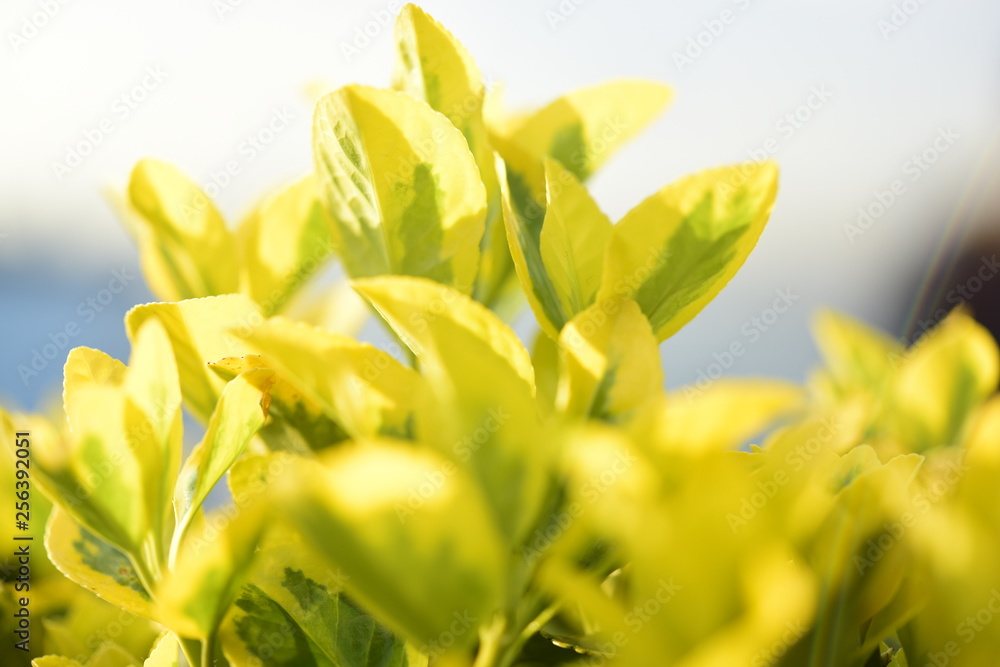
191	81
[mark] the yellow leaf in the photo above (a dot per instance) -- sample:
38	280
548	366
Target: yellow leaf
482	381
154	431
401	186
362	388
96	566
284	241
201	331
581	129
238	416
166	652
54	661
410	530
433	66
211	566
941	380
559	266
86	367
857	356
573	239
723	415
677	249
609	362
185	249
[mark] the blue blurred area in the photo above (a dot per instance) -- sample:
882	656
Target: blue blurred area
48	310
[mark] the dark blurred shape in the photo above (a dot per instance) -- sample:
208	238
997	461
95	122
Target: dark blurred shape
971	279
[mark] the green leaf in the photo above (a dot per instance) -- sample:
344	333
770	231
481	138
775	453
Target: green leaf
433	66
362	388
95	475
857	357
153	429
690	420
401	185
211	568
560	263
573	239
942	379
201	331
184	246
96	565
676	250
581	130
283	242
411	531
240	413
298	423
311	593
609	362
259	631
481	378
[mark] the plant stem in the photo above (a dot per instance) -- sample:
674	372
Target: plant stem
514	647
191	651
503	640
146	576
208	651
490	644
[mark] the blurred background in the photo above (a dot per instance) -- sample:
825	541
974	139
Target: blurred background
881	113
